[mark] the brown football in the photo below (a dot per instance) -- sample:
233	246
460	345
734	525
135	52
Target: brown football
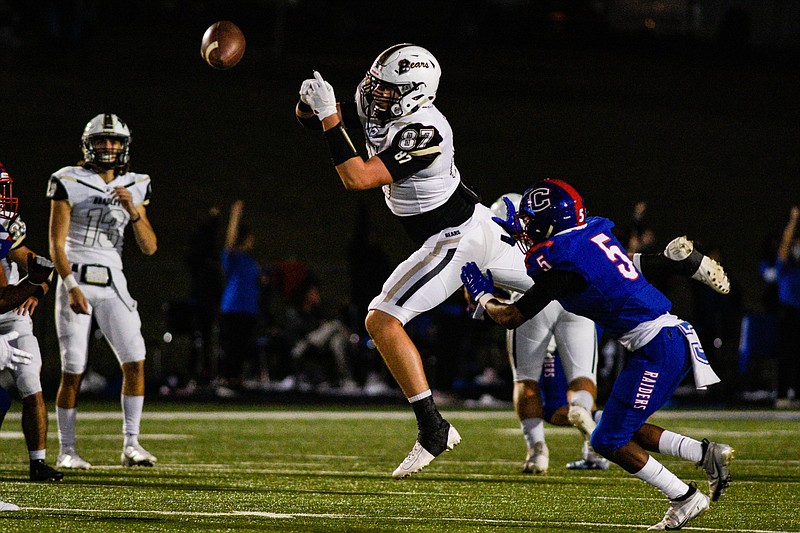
223	45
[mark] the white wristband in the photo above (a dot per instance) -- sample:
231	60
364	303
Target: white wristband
484	299
69	282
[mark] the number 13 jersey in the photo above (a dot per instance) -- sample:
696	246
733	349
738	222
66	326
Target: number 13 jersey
97	222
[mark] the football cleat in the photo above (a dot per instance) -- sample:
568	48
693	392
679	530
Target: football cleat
135	455
706	270
581	418
683	509
41	471
538	459
590	461
716	462
5	506
418	458
70	459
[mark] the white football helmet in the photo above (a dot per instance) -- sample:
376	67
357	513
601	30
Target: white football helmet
403	78
499	206
106	125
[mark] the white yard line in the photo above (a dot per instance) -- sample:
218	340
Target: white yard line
337	516
403	415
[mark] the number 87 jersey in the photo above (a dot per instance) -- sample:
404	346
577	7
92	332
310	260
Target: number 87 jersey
97	221
616	296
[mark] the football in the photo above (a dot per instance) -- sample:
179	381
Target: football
223	45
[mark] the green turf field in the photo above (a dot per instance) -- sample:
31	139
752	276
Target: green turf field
326	469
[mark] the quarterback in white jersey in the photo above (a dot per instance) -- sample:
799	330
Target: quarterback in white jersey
91	205
410	144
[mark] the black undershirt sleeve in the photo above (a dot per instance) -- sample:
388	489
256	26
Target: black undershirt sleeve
654	265
547	287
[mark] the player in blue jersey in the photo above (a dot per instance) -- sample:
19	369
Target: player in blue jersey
12	296
578	262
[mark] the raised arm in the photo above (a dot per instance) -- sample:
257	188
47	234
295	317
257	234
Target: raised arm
355	172
788	234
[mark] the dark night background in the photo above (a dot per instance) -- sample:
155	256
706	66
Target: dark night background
698	116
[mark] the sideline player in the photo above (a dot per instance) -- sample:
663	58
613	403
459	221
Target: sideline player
579	262
91	205
411	156
27	377
39	270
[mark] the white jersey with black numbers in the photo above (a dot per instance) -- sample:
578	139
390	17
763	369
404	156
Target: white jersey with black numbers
97	221
418	151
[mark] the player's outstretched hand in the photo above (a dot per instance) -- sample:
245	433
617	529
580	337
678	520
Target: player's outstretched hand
511	224
475	282
39	269
318	94
11	357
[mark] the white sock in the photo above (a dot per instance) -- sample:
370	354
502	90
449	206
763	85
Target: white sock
132	415
680	446
66	427
657	475
532	430
582	398
35	455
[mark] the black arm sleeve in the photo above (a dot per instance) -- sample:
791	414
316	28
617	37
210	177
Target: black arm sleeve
655	265
548	287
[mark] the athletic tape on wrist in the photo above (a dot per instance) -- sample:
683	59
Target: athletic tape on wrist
69	282
484	299
340	145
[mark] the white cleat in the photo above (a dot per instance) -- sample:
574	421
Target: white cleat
418	458
70	459
581	418
590	460
538	460
5	506
694	504
716	462
707	270
137	456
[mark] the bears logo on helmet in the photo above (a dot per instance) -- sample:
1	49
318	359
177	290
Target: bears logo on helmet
403	78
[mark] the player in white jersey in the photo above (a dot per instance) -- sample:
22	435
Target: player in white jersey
27	377
91	205
39	269
411	156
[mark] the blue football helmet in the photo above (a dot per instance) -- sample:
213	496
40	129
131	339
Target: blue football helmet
549	207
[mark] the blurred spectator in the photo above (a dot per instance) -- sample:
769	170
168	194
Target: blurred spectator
203	262
320	346
637	232
717	317
241	299
769	272
788	268
368	267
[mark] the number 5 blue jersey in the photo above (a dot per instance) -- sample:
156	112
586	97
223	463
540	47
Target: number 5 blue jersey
616	297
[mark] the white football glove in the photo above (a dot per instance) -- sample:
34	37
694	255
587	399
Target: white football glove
304	88
319	94
11	357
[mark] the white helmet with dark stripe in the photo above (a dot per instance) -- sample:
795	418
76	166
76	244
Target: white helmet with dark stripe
106	125
402	78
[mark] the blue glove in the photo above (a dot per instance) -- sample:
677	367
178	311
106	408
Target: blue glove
476	283
510	224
